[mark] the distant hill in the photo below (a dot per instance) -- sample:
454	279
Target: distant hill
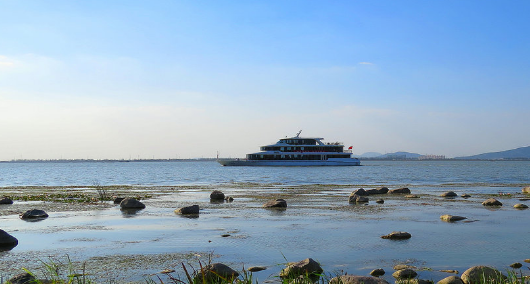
399	155
519	153
368	155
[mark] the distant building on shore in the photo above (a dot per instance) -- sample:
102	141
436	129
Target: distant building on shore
431	157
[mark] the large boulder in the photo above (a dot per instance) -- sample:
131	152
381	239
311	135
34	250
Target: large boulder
381	190
34	214
451	218
6	200
491	202
482	274
451	280
403	190
278	203
216	273
306	267
131	203
7	241
526	189
217	195
194	209
397	236
354	279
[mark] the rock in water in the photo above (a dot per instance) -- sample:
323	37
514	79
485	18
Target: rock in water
34	214
194	209
7	242
304	267
406	273
491	202
448	194
217	195
131	203
397	236
278	203
451	218
378	272
212	273
354	279
482	274
451	280
6	200
403	190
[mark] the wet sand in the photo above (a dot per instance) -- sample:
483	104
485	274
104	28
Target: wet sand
318	223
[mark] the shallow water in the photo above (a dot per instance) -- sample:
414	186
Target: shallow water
318	223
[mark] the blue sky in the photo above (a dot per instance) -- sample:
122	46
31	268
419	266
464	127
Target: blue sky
166	79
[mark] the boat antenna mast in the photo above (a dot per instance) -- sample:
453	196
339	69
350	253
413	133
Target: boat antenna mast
298	134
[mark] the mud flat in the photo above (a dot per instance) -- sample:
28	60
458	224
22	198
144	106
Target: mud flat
319	222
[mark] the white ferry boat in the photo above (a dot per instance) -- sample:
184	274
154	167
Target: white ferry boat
298	151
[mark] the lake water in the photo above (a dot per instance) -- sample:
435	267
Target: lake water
317	223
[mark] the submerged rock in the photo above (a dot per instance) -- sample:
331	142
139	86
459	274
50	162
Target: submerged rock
397	236
465	195
354	279
381	190
403	190
377	272
491	202
34	214
6	200
516	265
131	203
451	218
360	192
193	209
406	273
278	203
256	268
520	206
482	274
380	201
304	267
411	196
448	194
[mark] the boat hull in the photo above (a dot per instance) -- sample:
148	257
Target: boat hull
289	163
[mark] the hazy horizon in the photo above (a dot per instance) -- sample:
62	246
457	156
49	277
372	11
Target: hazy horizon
188	79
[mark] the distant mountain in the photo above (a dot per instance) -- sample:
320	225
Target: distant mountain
399	155
368	155
519	153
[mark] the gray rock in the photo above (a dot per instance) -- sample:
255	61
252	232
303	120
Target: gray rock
406	273
353	279
302	268
526	189
482	274
6	200
278	203
451	218
520	206
22	278
397	236
34	214
131	203
217	195
7	241
451	280
403	190
212	272
194	209
491	202
448	194
377	272
381	190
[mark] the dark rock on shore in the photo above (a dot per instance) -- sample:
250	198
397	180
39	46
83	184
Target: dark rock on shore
6	200
377	272
403	190
406	273
482	274
131	203
397	236
451	218
217	195
304	267
451	280
34	214
381	190
278	203
212	273
360	192
448	194
491	202
354	279
7	242
118	200
193	209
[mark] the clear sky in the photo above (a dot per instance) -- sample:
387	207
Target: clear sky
187	79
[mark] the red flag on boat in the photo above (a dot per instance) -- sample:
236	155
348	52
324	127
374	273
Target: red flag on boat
351	147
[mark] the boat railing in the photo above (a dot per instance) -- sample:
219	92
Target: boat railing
348	151
334	143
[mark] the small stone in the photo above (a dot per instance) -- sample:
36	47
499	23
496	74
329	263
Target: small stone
527	260
229	198
380	201
491	202
406	273
465	195
520	206
167	271
397	236
225	235
256	268
451	218
378	272
516	265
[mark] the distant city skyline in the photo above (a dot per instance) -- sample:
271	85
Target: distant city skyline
189	79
